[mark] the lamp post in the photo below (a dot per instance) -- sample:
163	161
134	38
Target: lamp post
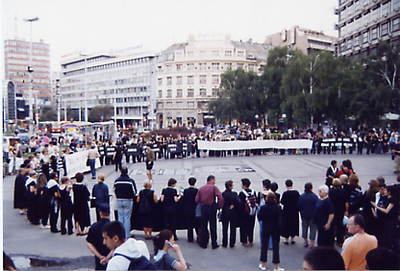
85	88
30	70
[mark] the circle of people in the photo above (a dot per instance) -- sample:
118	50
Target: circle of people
371	218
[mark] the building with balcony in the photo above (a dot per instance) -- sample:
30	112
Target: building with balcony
306	40
124	82
363	23
16	63
188	77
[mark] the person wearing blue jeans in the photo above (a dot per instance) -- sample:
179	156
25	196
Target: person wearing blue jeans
124	207
125	192
93	154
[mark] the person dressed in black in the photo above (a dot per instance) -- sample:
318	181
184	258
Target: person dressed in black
94	239
119	151
33	199
269	214
290	213
331	173
20	192
66	206
147	199
169	197
81	207
189	207
247	220
340	203
229	215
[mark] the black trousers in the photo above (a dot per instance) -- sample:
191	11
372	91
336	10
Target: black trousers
118	164
208	216
338	228
191	223
247	228
229	221
66	218
169	217
325	237
266	234
53	210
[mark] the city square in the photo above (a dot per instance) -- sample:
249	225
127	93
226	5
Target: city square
23	240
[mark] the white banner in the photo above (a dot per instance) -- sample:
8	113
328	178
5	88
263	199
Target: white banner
255	144
77	163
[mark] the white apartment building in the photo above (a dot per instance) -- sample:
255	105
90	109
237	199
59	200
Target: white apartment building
306	40
188	77
363	23
125	83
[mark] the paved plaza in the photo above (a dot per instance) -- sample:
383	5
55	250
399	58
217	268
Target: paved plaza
22	241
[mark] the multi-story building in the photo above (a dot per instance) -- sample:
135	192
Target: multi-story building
363	23
122	82
16	62
306	40
188	76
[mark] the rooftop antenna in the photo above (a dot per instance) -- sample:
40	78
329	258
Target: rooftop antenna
15	27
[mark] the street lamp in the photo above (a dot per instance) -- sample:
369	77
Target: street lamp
30	70
86	105
312	65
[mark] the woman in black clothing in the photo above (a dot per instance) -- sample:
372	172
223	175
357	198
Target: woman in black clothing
33	199
290	214
229	215
269	214
40	192
169	197
367	213
147	200
81	207
66	205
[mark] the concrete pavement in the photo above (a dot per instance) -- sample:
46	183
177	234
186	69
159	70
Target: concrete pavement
21	240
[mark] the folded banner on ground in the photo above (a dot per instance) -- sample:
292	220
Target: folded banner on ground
255	144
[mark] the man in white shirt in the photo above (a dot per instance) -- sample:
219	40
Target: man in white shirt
124	249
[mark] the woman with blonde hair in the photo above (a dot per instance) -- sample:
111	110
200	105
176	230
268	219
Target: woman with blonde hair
147	198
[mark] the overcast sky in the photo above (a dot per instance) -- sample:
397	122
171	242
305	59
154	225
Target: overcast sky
73	26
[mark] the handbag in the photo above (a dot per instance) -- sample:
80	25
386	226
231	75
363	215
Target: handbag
198	210
87	162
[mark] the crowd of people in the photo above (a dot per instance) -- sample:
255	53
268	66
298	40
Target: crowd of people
372	216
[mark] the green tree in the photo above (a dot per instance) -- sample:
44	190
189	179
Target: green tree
101	110
48	113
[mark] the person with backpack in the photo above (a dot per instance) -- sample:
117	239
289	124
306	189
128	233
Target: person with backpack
147	199
354	194
129	253
290	213
247	211
162	260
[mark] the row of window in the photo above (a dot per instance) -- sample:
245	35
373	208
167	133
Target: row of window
205	53
189	93
190	80
361	5
202	66
371	35
362	22
178	105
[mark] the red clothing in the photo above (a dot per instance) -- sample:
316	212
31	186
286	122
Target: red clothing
340	172
205	195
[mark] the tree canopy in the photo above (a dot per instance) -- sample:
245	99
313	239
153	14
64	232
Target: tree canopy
313	88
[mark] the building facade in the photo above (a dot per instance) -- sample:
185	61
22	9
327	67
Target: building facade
363	23
306	40
188	77
16	63
122	82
